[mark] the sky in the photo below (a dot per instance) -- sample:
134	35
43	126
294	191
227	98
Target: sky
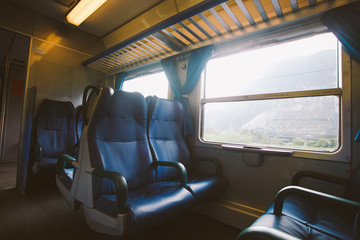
151	84
235	70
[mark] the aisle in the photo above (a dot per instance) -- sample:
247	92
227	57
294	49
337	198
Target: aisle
43	214
8	175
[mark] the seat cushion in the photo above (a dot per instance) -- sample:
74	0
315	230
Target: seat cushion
290	226
48	163
149	205
205	187
335	221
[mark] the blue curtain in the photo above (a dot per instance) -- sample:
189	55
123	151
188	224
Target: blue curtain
119	80
344	22
170	69
197	62
357	137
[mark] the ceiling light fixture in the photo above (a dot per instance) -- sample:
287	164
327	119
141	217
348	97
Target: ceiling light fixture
83	10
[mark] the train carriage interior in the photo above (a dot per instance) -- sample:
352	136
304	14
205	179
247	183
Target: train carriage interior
180	119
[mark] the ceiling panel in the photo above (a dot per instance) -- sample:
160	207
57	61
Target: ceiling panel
226	20
112	14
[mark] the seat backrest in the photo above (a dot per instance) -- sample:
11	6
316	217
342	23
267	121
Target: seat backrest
117	139
165	131
55	128
78	122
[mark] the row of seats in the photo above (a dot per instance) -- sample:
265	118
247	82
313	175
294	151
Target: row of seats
57	131
302	213
56	128
134	156
134	170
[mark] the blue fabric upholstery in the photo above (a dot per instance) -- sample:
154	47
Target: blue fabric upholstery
118	142
313	217
117	137
168	144
165	135
205	187
290	226
55	131
149	205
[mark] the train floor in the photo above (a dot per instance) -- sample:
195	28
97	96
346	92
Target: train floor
7	174
43	214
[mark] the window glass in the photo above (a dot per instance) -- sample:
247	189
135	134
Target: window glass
285	96
309	123
305	64
151	84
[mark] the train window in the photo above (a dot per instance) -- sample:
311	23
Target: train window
150	84
286	95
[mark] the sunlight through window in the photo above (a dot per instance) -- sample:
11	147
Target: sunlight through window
285	96
148	85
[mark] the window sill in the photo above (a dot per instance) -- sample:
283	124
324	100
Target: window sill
245	148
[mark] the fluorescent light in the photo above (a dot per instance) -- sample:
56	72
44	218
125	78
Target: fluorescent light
83	10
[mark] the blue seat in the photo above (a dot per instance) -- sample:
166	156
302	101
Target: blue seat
168	144
55	134
302	213
124	177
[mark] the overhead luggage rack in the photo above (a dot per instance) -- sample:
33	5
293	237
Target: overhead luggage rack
206	23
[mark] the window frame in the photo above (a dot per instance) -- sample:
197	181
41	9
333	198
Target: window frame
342	154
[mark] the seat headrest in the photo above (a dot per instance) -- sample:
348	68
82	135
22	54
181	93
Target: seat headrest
53	108
115	116
166	110
55	128
53	115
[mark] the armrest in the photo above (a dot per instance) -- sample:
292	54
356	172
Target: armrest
320	176
120	186
315	195
261	232
37	151
63	159
179	167
211	160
